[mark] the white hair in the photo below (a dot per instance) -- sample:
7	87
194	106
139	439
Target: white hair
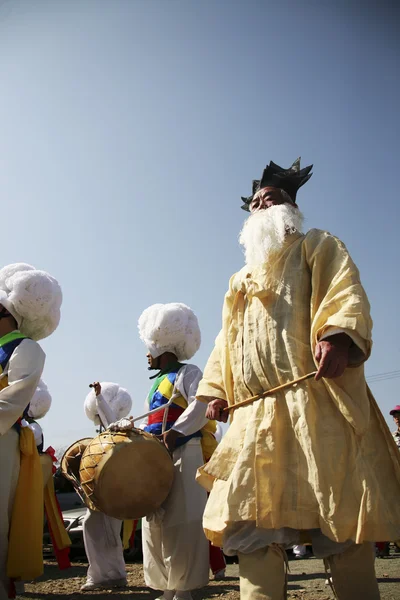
40	403
117	398
265	231
172	328
32	297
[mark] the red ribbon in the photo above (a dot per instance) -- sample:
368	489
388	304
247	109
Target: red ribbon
62	556
51	452
11	589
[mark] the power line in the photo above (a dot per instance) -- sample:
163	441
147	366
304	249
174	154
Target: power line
383	376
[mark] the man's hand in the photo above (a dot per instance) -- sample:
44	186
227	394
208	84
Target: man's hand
125	424
169	439
97	387
215	410
332	355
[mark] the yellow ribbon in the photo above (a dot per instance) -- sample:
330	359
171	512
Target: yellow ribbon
25	554
60	534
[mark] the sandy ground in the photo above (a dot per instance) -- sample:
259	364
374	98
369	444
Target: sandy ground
306	582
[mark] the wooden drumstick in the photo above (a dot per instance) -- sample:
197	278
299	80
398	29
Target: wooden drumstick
269	392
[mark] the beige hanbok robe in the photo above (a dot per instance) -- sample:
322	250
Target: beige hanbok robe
315	456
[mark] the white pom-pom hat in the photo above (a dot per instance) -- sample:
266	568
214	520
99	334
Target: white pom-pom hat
40	404
117	398
32	297
172	328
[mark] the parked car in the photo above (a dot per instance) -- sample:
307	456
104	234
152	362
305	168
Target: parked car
67	497
73	522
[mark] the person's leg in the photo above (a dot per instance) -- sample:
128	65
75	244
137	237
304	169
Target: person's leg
353	573
262	574
167	595
217	561
183	595
9	471
114	551
103	547
154	568
184	546
90	533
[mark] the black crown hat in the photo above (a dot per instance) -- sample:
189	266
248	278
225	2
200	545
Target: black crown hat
289	180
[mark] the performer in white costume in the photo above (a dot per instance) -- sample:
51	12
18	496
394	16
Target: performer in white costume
175	550
105	403
30	303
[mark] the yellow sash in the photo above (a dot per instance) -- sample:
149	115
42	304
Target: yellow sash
60	534
25	555
127	530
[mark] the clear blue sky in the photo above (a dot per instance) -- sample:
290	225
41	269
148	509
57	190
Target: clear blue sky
129	131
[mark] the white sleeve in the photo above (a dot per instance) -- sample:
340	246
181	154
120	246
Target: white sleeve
37	432
24	370
194	417
105	411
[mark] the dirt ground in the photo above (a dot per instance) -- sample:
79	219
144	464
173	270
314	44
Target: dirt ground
306	582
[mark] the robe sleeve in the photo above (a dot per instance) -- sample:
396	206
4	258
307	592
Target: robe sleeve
217	379
193	418
212	385
105	412
338	300
24	370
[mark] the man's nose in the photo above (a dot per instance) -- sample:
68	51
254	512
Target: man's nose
268	202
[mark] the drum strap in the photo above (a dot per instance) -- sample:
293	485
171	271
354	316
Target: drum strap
161	392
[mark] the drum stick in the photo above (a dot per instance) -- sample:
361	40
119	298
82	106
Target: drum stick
269	392
151	412
102	425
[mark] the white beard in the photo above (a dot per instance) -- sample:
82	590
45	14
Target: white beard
265	232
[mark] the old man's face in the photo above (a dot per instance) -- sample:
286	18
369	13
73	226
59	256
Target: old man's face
267	197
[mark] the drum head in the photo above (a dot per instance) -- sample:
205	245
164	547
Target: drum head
133	476
70	464
71	459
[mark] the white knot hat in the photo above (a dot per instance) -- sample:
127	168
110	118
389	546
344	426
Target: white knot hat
118	398
32	297
40	404
172	328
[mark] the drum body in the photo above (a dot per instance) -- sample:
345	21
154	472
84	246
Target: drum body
70	464
126	475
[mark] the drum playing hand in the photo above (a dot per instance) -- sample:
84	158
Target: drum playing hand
169	439
122	425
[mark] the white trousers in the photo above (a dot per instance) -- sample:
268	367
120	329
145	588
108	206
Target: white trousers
175	549
103	546
9	471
